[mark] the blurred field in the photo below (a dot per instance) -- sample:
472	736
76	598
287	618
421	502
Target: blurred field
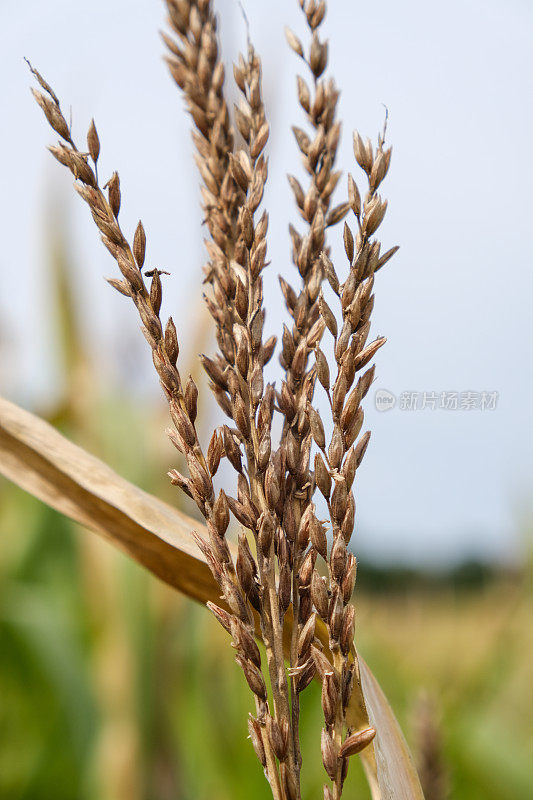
113	687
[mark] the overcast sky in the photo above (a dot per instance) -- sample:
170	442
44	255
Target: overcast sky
455	304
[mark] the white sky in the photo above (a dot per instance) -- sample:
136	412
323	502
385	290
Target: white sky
455	303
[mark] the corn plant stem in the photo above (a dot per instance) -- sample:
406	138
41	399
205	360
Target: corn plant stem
270	617
271	768
338	663
295	697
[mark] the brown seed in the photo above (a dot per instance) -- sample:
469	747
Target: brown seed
171	342
338	558
267	528
328	316
347	630
357	742
113	189
245	642
329	754
322	368
386	257
317	428
156	292
336	616
278	740
53	114
319	595
331	275
221	513
139	244
354	196
191	399
336	448
348	243
254	729
317	536
322	476
306	636
360	449
93	142
293	42
350	574
306	570
330	696
336	214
